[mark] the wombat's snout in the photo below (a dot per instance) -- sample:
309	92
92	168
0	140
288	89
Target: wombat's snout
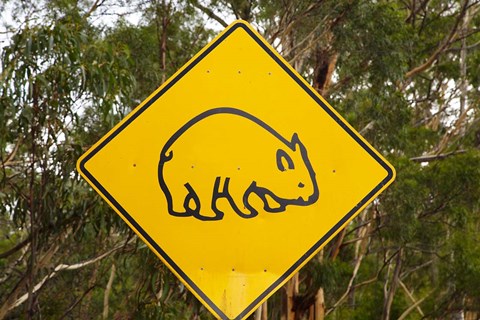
313	198
304	198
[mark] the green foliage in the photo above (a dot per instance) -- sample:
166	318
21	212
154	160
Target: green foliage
142	41
373	38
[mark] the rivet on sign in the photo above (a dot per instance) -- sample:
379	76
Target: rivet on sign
134	164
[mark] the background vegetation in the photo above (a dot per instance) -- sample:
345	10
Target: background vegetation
405	73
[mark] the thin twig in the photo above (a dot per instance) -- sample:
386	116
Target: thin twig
77	302
433	157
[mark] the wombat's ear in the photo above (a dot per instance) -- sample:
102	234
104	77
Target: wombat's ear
295	140
284	161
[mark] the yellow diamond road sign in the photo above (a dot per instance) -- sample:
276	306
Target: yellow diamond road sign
235	172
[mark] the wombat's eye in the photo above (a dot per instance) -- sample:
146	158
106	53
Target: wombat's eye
284	160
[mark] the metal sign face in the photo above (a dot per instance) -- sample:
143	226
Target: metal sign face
235	172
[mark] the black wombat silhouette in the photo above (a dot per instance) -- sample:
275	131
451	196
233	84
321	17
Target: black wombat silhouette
227	153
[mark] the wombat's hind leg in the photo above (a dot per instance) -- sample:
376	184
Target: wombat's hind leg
191	202
238	201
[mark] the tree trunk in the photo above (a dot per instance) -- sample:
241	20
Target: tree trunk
265	311
162	20
292	291
261	312
258	313
108	289
393	287
320	305
325	63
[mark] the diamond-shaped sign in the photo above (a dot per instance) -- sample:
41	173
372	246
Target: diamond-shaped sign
235	172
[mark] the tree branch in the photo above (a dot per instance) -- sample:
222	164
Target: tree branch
445	43
15	248
433	157
209	13
108	289
8	161
350	286
413	306
77	302
59	268
387	305
94	7
416	304
360	250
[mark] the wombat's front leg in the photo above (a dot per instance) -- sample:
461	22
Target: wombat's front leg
239	200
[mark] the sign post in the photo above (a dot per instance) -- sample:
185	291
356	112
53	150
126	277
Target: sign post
235	172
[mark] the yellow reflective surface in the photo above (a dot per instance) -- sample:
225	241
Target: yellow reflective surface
235	172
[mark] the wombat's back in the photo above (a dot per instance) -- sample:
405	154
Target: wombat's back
224	140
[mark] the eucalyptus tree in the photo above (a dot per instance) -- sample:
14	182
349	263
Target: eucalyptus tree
404	73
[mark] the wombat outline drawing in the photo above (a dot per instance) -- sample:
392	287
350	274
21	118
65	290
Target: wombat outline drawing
183	200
